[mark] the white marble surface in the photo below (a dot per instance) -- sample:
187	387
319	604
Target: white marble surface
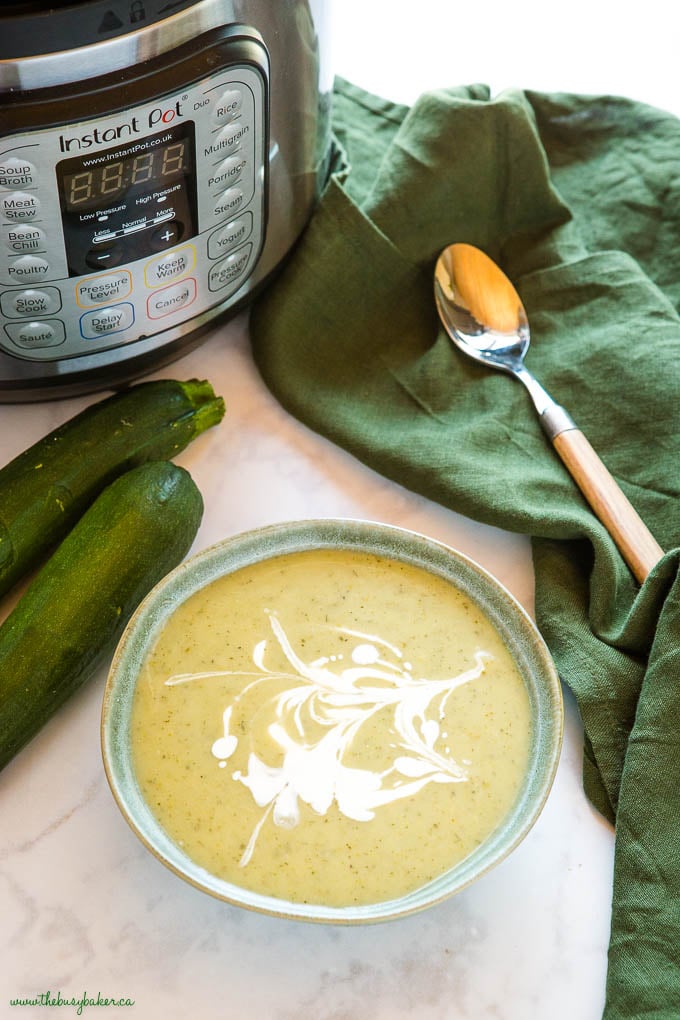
85	909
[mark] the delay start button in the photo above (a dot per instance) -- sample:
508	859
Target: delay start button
105	321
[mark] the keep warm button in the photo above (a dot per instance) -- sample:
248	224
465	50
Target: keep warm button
168	267
105	321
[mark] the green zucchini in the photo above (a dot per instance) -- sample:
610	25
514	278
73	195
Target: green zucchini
47	488
74	610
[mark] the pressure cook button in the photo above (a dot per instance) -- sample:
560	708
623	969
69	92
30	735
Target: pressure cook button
27	269
17	173
229	269
105	321
171	299
229	202
22	303
228	172
19	205
228	237
29	335
24	238
168	267
228	106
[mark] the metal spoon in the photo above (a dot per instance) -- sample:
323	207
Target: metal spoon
484	316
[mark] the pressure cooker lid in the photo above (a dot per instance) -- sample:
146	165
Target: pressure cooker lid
31	27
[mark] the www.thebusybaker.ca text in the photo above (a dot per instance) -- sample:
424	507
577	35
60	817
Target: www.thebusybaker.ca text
49	999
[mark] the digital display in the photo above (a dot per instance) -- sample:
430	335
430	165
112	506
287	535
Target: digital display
105	183
128	202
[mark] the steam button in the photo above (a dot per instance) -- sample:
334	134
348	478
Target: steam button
228	203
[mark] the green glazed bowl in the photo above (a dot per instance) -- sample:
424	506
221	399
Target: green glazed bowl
510	620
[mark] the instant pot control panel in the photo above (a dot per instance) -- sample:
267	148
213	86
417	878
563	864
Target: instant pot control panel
118	227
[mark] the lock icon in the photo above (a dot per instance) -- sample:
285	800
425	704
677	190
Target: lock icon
137	12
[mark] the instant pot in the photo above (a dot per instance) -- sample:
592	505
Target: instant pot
158	160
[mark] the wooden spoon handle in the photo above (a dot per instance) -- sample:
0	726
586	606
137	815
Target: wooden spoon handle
635	542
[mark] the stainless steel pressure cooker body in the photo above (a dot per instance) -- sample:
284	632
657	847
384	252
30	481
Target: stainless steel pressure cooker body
158	160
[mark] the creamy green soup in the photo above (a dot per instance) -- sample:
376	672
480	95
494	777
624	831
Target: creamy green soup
330	727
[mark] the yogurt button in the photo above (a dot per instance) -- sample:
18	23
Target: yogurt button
24	238
17	173
27	269
19	205
29	335
105	321
228	106
22	303
226	238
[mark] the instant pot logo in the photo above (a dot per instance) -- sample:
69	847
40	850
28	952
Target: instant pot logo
160	116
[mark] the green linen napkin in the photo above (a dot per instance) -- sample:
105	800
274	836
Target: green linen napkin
578	198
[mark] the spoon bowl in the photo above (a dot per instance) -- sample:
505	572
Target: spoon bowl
483	315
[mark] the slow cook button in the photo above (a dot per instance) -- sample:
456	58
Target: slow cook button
226	238
21	303
106	321
27	269
228	106
229	269
104	289
29	335
167	267
19	206
171	299
17	173
228	203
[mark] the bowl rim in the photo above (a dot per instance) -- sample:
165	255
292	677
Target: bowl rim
261	543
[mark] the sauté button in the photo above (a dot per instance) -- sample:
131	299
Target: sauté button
29	335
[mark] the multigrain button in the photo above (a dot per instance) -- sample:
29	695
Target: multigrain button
25	237
229	203
19	206
27	269
168	267
36	334
22	303
228	106
229	269
105	321
228	237
230	138
17	173
171	299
